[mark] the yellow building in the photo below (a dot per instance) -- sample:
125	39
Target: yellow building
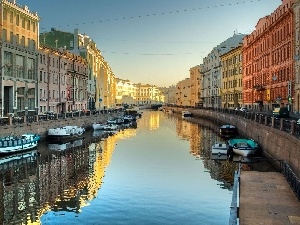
18	63
195	85
126	92
232	89
147	94
183	93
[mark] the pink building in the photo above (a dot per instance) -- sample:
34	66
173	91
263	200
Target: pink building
268	60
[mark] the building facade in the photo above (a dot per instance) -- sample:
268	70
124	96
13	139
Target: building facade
268	60
63	80
231	88
195	85
296	97
212	71
18	62
183	93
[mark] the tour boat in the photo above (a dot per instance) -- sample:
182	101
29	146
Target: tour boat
243	146
228	130
186	114
219	148
61	146
13	144
65	132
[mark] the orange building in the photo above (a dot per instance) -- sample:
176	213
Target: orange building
268	60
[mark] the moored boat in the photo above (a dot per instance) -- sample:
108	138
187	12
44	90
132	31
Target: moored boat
13	144
103	126
219	148
228	130
243	146
186	114
65	132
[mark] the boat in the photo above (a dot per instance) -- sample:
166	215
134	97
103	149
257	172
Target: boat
243	146
219	148
62	146
13	144
186	114
103	126
228	130
116	120
65	132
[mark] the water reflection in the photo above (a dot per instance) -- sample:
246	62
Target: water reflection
67	177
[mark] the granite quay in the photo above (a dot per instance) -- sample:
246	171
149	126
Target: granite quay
40	124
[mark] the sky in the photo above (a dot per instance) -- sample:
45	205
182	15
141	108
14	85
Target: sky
153	42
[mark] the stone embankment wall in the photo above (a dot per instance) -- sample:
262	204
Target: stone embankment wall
275	143
41	127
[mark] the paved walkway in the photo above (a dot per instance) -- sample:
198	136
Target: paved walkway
266	198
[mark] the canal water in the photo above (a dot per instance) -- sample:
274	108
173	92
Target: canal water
160	172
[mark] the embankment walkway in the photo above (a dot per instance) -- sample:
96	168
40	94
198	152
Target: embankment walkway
266	198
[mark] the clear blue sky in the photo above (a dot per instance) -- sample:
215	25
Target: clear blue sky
153	41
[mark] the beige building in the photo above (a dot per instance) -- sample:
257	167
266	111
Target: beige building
63	80
195	79
147	94
18	62
183	93
126	92
168	95
231	88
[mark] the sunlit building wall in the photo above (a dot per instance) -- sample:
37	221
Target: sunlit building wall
183	92
231	88
18	62
268	60
195	85
126	92
147	94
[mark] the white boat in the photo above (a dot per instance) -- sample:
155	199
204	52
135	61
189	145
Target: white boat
243	146
98	126
219	148
13	144
102	126
116	120
186	114
65	132
65	145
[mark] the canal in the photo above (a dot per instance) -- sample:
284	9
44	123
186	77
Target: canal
160	172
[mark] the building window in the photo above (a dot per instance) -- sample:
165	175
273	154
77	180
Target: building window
23	22
28	25
11	17
33	27
23	41
11	38
17	20
4	35
4	14
41	76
